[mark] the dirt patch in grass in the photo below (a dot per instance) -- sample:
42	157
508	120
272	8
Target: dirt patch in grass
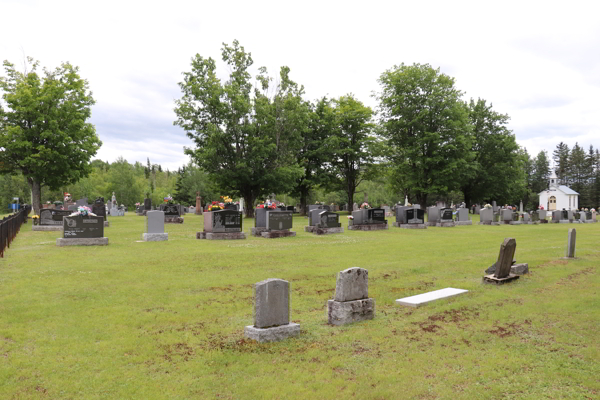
553	262
509	329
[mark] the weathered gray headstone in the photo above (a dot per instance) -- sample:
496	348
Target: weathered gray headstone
571	243
354	207
351	302
505	258
271	312
433	215
352	284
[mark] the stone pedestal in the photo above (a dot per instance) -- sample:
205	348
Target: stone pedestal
449	224
46	228
155	237
499	281
106	224
368	227
410	226
327	231
257	231
516	222
489	223
102	241
220	236
173	220
273	334
277	234
345	312
461	223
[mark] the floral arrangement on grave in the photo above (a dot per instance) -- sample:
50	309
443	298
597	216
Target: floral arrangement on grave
47	202
83	211
487	206
541	207
282	204
593	210
319	203
36	219
216	206
408	205
227	200
168	199
137	204
350	217
67	197
270	206
365	205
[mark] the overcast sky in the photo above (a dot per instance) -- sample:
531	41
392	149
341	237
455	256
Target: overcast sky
538	62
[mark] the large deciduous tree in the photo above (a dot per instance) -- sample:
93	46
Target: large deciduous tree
43	129
352	146
244	138
427	126
494	161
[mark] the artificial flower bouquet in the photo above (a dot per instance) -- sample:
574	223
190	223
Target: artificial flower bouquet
83	211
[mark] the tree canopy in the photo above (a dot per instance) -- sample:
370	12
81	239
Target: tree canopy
44	132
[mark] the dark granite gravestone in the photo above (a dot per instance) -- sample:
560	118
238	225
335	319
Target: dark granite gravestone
446	215
260	217
139	210
535	216
80	227
564	215
375	216
223	221
329	219
290	208
504	263
171	210
515	216
99	208
233	207
415	216
147	204
279	220
53	217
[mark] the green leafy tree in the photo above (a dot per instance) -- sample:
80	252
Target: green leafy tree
494	156
427	126
244	139
313	154
541	172
352	145
43	130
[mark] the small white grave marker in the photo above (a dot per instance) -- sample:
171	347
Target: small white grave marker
420	299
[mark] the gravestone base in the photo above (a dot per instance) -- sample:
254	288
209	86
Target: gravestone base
411	226
257	231
273	334
575	222
309	228
516	222
346	312
462	223
46	228
220	235
564	221
367	227
543	221
106	224
519	269
327	231
277	234
445	224
173	220
430	223
499	281
155	237
102	241
489	223
589	221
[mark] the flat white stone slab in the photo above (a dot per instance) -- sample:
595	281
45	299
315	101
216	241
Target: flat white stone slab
420	299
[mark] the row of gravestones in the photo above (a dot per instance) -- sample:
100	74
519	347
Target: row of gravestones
508	216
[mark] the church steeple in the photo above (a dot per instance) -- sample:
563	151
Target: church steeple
553	180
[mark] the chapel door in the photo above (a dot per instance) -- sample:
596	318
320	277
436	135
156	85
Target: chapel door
552	203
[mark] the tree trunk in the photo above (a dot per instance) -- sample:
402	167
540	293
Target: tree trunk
303	200
350	200
422	199
249	205
36	195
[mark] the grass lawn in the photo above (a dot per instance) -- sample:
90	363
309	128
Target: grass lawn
165	320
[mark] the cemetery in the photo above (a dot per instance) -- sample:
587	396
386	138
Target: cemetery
160	307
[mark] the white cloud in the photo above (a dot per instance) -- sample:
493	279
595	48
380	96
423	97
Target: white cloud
535	61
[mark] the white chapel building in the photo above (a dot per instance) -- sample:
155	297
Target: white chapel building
557	196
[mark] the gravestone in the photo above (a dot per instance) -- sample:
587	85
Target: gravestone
515	219
446	218
556	216
486	216
82	231
542	214
571	243
271	312
351	302
222	225
414	218
147	204
527	218
327	223
462	217
504	263
51	220
494	206
83	202
368	219
433	216
172	213
354	207
279	220
506	216
198	204
155	227
401	215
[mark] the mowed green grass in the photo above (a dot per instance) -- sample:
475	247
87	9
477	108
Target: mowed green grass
165	320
